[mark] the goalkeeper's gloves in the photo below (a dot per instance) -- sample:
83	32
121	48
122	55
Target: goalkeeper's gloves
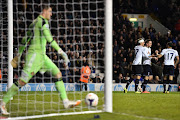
64	56
15	61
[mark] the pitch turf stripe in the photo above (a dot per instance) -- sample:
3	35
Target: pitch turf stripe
153	118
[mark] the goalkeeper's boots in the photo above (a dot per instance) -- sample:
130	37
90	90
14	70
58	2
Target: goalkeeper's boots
3	109
70	104
125	90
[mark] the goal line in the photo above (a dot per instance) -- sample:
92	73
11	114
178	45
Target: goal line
53	114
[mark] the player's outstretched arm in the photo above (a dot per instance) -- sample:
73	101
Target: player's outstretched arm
54	44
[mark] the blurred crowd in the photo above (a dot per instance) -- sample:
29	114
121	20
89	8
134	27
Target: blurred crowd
165	11
80	32
125	39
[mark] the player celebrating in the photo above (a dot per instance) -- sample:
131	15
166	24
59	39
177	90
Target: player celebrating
137	65
36	59
147	71
168	70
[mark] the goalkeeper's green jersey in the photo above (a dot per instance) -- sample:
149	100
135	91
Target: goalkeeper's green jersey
38	35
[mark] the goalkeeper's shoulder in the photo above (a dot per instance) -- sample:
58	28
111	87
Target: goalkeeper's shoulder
41	21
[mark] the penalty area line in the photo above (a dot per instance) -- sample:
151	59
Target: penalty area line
138	116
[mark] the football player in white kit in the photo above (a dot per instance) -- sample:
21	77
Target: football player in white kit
147	71
169	65
137	65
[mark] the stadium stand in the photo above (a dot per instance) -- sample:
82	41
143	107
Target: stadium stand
125	36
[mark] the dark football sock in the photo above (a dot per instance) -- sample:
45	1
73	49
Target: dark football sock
170	82
129	82
144	84
164	85
136	84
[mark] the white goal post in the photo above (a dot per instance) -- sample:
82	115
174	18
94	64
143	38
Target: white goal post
108	53
10	42
108	103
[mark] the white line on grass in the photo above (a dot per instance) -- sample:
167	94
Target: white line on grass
138	116
53	114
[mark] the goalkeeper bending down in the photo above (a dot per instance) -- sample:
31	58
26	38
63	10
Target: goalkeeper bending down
36	59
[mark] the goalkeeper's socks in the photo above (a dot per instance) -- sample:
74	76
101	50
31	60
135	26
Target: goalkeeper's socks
164	85
61	89
13	90
136	84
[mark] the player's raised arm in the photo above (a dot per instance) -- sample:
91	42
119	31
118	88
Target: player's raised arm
26	39
53	43
161	54
147	55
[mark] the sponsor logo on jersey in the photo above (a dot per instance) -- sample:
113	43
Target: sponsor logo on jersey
47	26
32	73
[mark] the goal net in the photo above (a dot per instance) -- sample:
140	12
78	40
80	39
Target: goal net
78	28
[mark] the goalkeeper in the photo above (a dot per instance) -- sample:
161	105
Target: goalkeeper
36	59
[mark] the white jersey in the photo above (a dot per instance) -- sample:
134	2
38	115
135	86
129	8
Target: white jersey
139	52
169	55
147	61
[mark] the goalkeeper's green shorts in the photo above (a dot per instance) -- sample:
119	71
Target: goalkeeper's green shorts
37	62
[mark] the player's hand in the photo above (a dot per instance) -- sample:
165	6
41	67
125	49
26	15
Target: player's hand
15	61
174	66
156	52
65	57
156	58
67	64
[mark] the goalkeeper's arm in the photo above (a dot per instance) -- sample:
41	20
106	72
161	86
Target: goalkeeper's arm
24	42
54	44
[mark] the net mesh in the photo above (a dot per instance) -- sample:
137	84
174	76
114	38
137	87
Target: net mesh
78	27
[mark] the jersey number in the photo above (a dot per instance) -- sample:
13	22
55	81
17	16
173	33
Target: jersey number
136	51
170	55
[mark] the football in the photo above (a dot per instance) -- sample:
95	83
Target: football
91	100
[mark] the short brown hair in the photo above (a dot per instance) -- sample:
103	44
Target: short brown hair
146	41
170	44
45	6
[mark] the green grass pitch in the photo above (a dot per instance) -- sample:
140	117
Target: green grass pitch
130	106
